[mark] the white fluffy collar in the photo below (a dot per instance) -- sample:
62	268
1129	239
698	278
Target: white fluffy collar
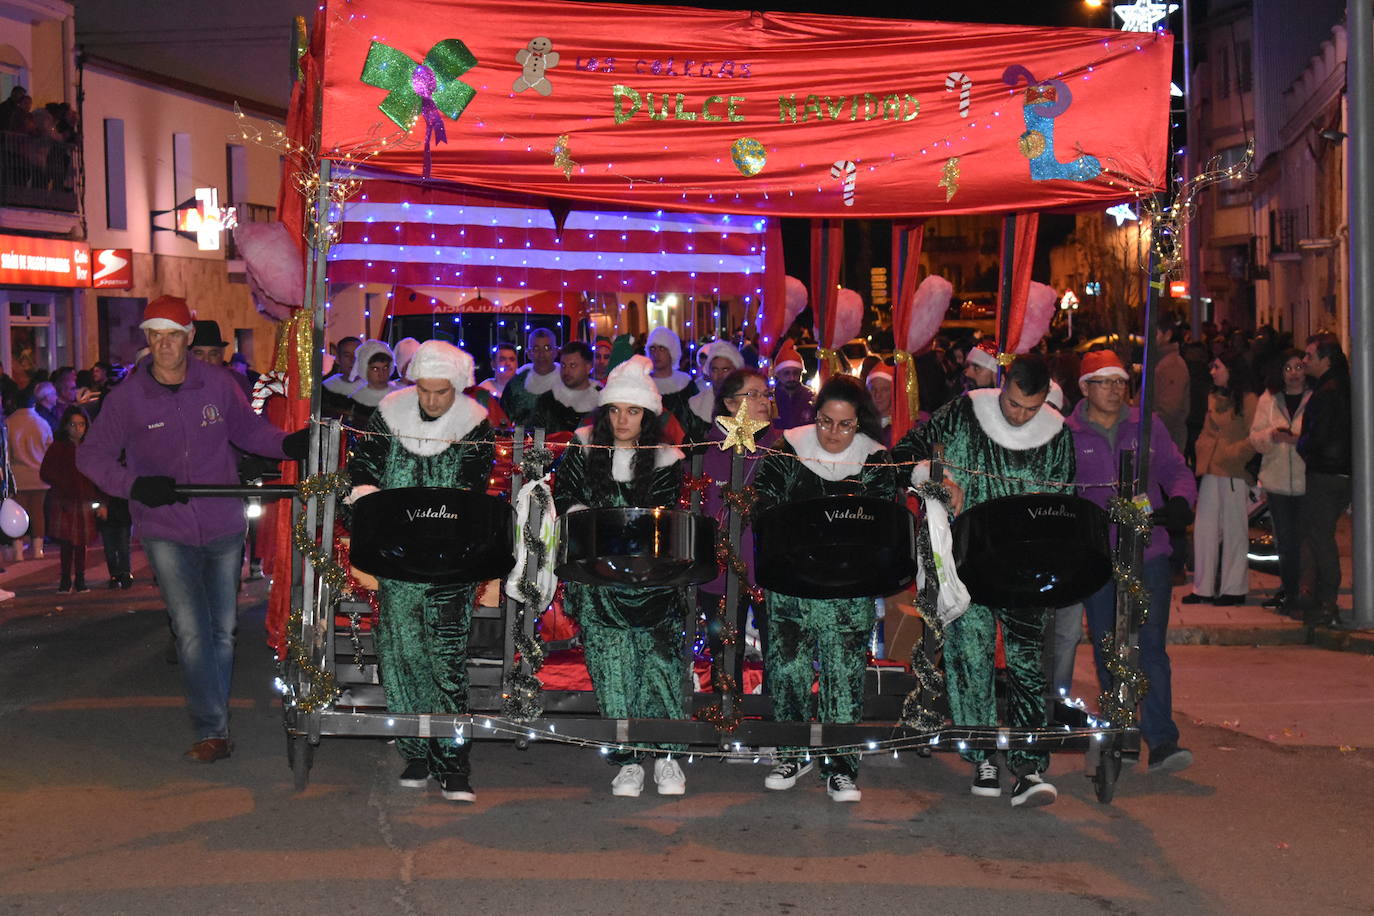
368	396
536	383
703	403
1043	427
401	411
830	465
673	383
621	457
339	384
582	401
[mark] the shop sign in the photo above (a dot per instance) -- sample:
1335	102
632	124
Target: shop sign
26	261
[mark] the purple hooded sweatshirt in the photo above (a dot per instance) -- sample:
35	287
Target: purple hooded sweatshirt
188	435
1098	461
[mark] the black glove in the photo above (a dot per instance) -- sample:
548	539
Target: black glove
156	491
297	445
1174	515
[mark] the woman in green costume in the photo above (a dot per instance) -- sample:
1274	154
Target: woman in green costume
632	636
427	435
838	454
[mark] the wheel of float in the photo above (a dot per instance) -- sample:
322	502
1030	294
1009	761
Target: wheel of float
1107	772
300	756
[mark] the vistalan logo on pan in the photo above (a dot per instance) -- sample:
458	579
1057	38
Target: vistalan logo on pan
1050	512
429	512
848	515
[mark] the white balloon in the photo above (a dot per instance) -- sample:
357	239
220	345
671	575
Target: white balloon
14	521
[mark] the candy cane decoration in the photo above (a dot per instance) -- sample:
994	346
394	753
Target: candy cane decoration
267	385
845	169
965	90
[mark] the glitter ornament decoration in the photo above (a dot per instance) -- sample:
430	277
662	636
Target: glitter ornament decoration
749	156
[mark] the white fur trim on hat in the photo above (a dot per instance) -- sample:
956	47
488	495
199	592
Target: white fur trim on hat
406	348
1104	372
441	359
167	324
366	350
981	358
724	349
665	337
632	382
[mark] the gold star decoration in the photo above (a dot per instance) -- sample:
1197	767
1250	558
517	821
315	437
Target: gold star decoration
739	431
949	180
562	157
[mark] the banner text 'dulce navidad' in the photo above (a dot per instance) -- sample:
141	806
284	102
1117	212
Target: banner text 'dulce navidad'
680	106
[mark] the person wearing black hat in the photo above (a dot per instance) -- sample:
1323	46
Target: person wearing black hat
208	346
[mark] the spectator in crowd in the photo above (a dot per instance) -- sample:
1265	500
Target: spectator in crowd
1221	533
30	435
980	365
177	421
793	399
44	402
1283	475
336	391
1171	393
1325	448
879	383
208	346
10	106
71	500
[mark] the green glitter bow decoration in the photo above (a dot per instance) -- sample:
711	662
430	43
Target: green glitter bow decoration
430	90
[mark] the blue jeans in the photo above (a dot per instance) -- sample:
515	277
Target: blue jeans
199	583
1157	726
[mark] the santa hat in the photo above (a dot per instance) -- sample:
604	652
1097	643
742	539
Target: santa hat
441	359
664	337
723	349
168	313
363	355
984	355
406	348
881	370
632	382
788	356
1101	364
1056	396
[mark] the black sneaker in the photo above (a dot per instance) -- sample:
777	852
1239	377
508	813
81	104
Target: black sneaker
841	788
415	775
1170	758
785	775
985	781
455	787
1033	792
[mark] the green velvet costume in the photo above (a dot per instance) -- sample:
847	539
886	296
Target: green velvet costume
833	631
554	416
422	630
520	395
632	636
976	435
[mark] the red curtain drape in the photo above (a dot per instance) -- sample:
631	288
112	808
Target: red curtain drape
827	254
1023	260
906	257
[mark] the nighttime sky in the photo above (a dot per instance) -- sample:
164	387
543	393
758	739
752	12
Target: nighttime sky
243	47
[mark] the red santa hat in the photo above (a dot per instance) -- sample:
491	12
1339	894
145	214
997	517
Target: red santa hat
984	355
168	313
788	356
881	370
1101	364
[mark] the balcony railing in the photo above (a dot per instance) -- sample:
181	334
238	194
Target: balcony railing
37	172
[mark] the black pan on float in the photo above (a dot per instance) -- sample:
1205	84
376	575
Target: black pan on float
436	535
1040	550
638	547
835	547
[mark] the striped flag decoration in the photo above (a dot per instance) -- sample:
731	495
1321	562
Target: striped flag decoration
398	233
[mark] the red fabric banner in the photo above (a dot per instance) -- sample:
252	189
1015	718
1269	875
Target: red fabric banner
732	111
827	256
1022	261
906	258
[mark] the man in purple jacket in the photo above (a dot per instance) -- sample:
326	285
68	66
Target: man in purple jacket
176	421
1104	425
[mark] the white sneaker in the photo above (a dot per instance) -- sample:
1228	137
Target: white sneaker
1031	791
785	775
668	776
629	782
841	788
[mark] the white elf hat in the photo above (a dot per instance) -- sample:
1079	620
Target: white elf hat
366	350
723	349
664	337
631	382
441	359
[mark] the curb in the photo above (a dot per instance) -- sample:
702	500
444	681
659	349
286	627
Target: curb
1361	641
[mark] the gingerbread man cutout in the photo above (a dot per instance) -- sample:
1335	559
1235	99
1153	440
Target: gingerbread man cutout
536	58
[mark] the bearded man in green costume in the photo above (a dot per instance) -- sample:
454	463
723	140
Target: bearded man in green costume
427	435
1015	447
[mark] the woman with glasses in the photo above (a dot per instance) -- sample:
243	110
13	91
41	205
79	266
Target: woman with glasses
738	388
839	454
373	364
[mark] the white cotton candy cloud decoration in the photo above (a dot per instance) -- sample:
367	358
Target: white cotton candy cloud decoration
928	306
1040	304
849	317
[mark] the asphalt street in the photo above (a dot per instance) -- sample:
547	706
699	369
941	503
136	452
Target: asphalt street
98	813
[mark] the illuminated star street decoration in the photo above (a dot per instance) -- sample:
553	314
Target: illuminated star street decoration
1142	15
739	431
1121	213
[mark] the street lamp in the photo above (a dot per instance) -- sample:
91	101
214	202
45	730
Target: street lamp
1069	305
